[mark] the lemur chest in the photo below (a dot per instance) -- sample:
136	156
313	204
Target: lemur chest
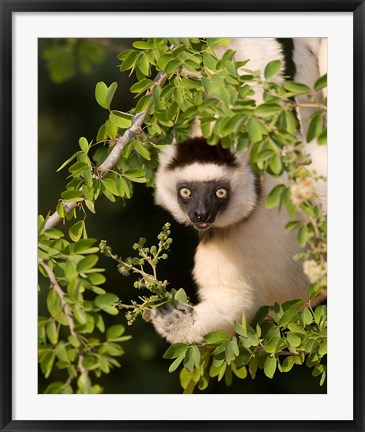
262	266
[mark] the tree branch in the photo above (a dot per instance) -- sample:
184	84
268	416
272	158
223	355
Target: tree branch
65	306
112	160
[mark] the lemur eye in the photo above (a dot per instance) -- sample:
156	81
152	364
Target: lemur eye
185	192
221	193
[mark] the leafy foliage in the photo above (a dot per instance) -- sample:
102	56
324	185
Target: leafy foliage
67	339
280	337
190	83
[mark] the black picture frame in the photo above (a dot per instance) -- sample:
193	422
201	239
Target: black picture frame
357	8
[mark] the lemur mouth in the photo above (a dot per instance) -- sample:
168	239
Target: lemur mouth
201	226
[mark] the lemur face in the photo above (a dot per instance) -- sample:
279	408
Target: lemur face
202	201
205	186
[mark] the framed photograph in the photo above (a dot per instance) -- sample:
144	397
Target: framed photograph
100	100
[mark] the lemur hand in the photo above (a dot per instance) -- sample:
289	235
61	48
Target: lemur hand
174	324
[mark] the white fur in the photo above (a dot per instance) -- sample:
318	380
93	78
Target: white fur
310	58
251	264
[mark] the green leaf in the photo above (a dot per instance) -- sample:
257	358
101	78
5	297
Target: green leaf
144	65
315	126
222	371
105	300
68	161
54	388
267	110
234	124
192	358
120	119
287	364
292	225
77	168
320	313
101	91
240	373
181	296
171	66
110	184
87	263
129	62
53	233
84	383
270	366
296	88
141	149
111	310
216	338
141	45
163	60
272	68
175	350
142	104
99	322
239	329
120	185
52	332
73	341
293	339
321	83
61	210
55	308
291	313
142	85
270	345
291	123
307	317
90	205
295	328
111	129
114	332
254	130
234	347
275	196
75	232
322	350
252	367
80	315
85	246
84	145
102	133
218	42
302	236
322	137
72	196
276	164
110	94
47	363
175	364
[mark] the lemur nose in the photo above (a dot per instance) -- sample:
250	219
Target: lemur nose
201	216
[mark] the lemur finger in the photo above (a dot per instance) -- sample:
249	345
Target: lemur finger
184	308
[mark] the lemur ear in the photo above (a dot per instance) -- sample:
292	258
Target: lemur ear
166	155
